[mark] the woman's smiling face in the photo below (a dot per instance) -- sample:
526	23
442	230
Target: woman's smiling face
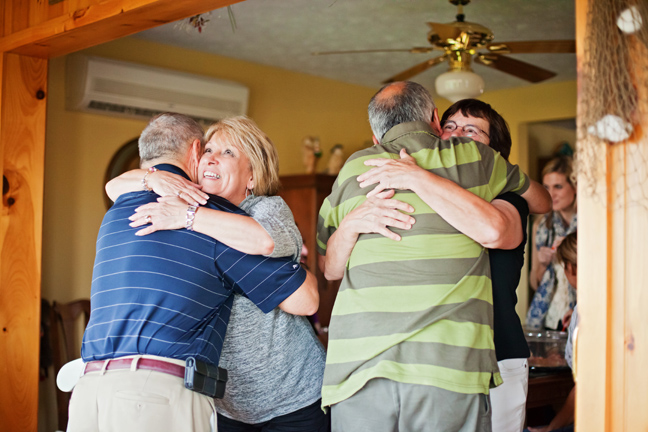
563	194
224	170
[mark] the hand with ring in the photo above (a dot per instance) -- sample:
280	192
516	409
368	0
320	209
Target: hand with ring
167	184
170	213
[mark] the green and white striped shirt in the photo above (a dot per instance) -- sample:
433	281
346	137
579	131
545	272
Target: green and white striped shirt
419	310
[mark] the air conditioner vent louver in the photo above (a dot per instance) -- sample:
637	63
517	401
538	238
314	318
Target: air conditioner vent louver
132	90
128	111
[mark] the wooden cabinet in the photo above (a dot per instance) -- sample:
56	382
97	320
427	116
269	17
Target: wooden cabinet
547	394
304	195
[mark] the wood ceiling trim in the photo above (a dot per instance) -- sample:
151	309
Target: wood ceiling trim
95	24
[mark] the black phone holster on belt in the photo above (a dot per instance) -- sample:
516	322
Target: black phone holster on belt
204	378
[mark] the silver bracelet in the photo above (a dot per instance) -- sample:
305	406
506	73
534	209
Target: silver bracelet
145	185
191	215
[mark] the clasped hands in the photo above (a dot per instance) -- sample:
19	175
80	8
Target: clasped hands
170	210
168	184
380	210
168	213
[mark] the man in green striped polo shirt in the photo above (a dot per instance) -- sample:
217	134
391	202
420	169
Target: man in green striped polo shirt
411	339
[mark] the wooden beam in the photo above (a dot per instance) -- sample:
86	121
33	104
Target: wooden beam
99	23
22	147
33	31
611	351
592	349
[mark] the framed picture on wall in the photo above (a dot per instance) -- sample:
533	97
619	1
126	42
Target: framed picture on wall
124	159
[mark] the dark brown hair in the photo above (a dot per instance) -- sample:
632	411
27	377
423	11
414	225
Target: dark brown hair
500	136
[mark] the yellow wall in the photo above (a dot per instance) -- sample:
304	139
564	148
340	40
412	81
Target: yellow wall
537	103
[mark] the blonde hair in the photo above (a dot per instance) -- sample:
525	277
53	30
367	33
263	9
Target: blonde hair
562	165
566	252
244	134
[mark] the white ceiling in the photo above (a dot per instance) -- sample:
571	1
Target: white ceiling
284	33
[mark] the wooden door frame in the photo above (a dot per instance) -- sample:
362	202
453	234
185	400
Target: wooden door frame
44	30
23	97
610	350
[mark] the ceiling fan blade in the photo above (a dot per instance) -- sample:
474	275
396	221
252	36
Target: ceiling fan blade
517	68
445	31
415	50
415	70
534	47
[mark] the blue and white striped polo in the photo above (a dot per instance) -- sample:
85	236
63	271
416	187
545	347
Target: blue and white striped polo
170	293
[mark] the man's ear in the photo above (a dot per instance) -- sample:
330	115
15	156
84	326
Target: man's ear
196	154
435	122
196	148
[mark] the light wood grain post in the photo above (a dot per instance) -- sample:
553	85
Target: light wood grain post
612	343
22	139
30	33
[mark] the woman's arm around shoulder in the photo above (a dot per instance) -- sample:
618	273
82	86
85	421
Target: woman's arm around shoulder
161	182
304	301
240	232
274	215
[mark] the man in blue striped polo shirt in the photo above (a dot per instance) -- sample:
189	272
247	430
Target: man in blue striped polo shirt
159	299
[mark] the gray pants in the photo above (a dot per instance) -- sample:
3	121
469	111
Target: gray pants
388	406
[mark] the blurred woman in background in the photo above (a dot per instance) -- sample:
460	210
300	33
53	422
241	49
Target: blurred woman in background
555	298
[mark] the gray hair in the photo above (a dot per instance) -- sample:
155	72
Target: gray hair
169	135
397	103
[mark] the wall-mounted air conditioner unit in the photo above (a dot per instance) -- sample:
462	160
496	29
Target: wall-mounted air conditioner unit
133	90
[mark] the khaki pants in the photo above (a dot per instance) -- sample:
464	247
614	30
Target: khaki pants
383	405
138	401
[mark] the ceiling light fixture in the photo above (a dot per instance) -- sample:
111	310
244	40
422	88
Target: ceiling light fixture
458	84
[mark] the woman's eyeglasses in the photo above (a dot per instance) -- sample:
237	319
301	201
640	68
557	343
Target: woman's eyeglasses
467	130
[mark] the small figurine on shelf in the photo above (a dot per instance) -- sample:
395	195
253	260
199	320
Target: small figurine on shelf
336	160
312	153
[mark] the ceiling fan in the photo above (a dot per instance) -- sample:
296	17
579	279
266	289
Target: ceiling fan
460	42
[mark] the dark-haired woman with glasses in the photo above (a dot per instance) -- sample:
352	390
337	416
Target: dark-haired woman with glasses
477	120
